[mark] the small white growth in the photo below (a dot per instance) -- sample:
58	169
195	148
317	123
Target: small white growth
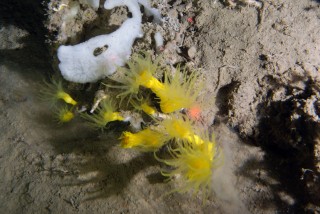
93	3
151	11
72	12
100	56
233	3
158	39
60	7
254	3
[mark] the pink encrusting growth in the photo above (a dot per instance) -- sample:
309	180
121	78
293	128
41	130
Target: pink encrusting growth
194	112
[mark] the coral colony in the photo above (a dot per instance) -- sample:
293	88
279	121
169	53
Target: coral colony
194	152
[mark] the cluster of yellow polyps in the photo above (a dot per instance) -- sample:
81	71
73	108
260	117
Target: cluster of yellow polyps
53	92
175	92
193	156
194	153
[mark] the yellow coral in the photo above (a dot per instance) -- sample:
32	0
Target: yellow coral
54	91
146	108
106	113
140	73
180	128
144	105
177	91
145	140
64	115
177	127
194	162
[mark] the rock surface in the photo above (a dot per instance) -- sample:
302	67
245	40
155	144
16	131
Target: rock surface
261	68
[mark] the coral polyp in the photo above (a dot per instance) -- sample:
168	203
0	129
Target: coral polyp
177	127
144	105
194	162
145	140
53	91
194	155
140	72
105	114
178	91
64	115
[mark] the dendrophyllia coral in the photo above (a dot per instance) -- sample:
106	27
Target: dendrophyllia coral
145	140
145	105
194	155
194	160
53	92
105	114
64	114
61	101
140	72
176	92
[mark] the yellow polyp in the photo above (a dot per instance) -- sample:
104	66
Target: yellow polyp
148	81
199	168
140	73
105	113
129	140
53	91
194	163
178	128
147	109
144	78
144	105
145	140
177	91
172	98
155	84
194	157
66	97
194	139
66	117
112	116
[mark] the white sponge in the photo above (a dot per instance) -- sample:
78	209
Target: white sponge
100	56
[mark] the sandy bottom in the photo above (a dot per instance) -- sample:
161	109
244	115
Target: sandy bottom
261	67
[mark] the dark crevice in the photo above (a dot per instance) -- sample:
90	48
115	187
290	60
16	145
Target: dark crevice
289	141
29	16
224	98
